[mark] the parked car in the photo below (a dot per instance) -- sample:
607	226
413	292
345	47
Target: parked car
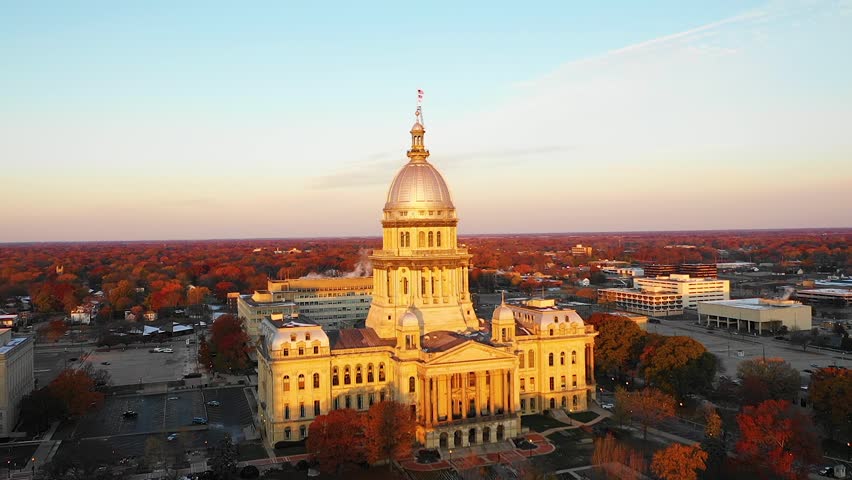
129	414
156	350
607	406
172	436
106	363
808	370
653	320
167	350
213	403
827	471
815	365
199	421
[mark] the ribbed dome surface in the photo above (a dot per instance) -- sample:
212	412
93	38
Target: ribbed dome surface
418	185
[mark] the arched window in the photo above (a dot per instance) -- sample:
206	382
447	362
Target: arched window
301	381
550	359
574	357
562	358
405	286
422	285
431	239
346	375
316	380
531	358
503	334
421	239
358	377
551	331
287	433
401	239
370	373
407	239
575	401
286	383
411	385
335	376
437	239
381	372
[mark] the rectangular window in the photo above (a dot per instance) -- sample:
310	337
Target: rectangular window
532	404
301	410
532	384
348	401
360	399
316	407
316	350
552	384
336	403
562	381
574	381
286	412
523	404
372	399
301	351
523	385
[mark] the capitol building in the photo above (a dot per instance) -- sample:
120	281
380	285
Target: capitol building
466	380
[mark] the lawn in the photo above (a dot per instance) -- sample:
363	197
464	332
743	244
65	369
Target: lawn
583	417
251	451
540	423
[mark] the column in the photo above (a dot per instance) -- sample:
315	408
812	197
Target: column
433	382
442	394
464	403
449	382
427	406
509	393
491	407
427	275
480	383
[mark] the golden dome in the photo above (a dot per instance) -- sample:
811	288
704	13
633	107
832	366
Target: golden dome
418	185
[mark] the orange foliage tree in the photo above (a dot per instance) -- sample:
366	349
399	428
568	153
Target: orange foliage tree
649	407
617	343
678	462
55	330
678	365
336	438
389	431
777	439
831	394
76	390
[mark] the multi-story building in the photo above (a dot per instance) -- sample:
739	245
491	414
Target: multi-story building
693	290
581	250
466	381
756	314
659	270
698	270
262	304
650	301
836	296
16	377
338	302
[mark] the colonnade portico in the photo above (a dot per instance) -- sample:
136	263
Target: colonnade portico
445	397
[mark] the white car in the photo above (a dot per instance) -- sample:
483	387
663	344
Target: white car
607	406
167	350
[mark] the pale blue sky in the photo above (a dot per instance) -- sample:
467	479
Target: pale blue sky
151	120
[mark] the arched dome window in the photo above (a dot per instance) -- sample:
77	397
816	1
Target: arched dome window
286	383
301	381
437	239
316	380
347	379
421	240
411	385
335	376
431	239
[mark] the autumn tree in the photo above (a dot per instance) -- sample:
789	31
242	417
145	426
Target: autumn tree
336	438
678	462
229	344
831	393
224	460
614	456
714	443
205	358
712	423
678	365
389	431
762	380
616	345
648	407
778	439
39	409
76	390
55	330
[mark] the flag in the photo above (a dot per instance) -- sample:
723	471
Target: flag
419	96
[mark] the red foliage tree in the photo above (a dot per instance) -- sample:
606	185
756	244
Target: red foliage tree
336	438
777	439
230	343
55	330
76	390
389	431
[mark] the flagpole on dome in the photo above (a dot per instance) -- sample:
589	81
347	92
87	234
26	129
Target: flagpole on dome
419	112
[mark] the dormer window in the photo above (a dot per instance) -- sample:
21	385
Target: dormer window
292	337
307	336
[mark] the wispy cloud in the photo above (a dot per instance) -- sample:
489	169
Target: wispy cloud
378	168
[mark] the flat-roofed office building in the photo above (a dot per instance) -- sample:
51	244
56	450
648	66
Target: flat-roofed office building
758	315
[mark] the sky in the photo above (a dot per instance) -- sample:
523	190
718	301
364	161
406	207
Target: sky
204	119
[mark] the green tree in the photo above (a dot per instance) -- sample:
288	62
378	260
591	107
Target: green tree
224	460
769	379
677	365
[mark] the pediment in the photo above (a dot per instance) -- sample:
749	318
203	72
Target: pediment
470	351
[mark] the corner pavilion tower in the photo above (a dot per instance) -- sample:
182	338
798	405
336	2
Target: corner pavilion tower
466	381
420	268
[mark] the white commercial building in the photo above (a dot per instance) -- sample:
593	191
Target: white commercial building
692	290
16	377
839	296
756	314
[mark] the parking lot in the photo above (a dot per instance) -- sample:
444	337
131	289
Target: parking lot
158	416
139	365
